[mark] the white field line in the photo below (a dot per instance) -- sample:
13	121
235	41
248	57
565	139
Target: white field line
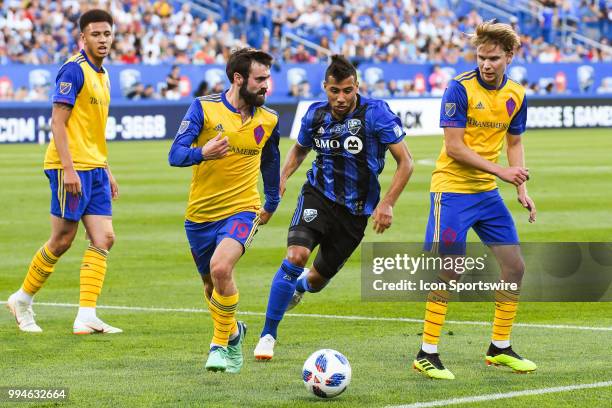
332	317
513	394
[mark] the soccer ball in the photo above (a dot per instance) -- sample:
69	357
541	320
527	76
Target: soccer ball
326	373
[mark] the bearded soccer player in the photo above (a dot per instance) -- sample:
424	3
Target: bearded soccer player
480	109
81	181
228	138
350	134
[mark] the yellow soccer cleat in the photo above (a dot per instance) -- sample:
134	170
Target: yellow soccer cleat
431	366
507	357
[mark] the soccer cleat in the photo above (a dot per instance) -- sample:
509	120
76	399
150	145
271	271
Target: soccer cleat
430	365
507	357
234	351
297	296
93	326
24	315
265	348
217	359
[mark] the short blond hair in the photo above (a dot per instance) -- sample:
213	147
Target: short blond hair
500	34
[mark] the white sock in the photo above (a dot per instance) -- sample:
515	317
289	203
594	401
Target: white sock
501	343
87	313
233	336
429	348
24	296
217	345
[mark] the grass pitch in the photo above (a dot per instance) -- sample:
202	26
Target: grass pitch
159	359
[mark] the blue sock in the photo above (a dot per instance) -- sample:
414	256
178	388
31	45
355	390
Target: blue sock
281	292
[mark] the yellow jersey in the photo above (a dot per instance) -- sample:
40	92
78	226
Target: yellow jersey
86	88
487	114
226	186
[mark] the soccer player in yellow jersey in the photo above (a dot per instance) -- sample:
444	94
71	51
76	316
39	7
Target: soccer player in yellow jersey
480	109
81	182
228	138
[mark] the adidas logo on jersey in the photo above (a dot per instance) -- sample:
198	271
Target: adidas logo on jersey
219	128
480	106
321	130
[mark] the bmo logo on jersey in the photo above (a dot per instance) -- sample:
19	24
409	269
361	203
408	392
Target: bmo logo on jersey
330	144
353	144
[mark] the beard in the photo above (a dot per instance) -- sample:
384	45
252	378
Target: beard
251	98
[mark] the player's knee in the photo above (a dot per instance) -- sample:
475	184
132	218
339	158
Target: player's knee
298	256
514	270
220	269
105	242
60	244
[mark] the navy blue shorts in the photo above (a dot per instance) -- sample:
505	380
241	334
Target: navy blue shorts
95	197
453	214
204	237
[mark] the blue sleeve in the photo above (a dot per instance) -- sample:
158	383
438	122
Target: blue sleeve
388	126
181	153
68	83
453	112
305	135
519	121
270	171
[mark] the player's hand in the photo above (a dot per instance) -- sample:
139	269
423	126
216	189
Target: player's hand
72	182
514	175
382	217
529	205
264	217
215	148
114	187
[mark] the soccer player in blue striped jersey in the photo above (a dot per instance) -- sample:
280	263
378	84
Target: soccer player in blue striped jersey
350	134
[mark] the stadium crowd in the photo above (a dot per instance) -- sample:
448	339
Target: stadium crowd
406	31
403	31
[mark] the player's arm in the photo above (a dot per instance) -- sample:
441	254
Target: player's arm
382	217
182	154
59	119
389	131
453	118
298	151
270	172
68	84
294	159
113	183
516	156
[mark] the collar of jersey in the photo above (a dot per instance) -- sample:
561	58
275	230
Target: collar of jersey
490	87
93	66
229	105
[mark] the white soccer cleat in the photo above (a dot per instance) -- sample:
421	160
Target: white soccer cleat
265	348
297	296
24	315
93	326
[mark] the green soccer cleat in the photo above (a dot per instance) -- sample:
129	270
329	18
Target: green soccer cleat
234	351
431	366
217	359
507	357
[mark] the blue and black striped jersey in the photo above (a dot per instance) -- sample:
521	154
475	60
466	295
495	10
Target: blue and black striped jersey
350	152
